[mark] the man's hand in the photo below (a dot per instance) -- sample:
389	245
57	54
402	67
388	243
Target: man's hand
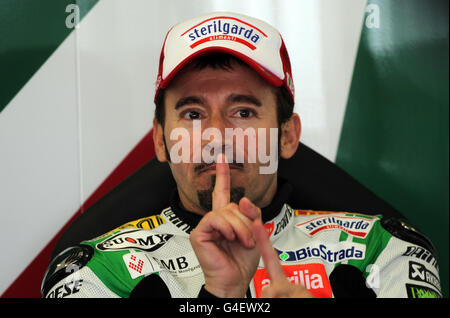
279	287
223	240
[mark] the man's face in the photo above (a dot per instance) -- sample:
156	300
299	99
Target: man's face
220	99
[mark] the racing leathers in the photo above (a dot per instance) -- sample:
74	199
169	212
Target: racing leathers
332	254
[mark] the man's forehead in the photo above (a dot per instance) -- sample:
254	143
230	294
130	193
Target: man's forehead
237	79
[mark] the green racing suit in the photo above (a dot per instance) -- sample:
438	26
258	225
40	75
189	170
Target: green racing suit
320	250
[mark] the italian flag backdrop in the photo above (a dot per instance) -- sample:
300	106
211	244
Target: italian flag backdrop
76	106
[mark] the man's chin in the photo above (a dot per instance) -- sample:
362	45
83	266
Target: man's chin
205	197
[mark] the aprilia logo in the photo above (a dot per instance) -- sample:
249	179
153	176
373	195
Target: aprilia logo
312	276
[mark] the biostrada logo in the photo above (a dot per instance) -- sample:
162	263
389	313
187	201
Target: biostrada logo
138	239
330	253
224	28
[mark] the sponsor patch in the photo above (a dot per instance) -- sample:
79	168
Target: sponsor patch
66	289
276	226
224	28
417	291
422	254
311	212
419	272
143	240
353	225
330	253
139	264
171	217
182	266
312	276
269	227
69	261
147	223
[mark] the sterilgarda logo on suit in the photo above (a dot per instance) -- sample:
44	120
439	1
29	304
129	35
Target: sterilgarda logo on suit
224	28
353	225
138	239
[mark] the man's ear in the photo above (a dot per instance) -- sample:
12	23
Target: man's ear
290	136
158	141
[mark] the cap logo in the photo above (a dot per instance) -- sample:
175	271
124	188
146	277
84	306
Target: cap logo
224	28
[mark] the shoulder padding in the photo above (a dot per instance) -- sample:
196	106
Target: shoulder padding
403	230
67	262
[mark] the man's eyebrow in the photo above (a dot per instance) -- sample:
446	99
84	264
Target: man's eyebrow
239	98
189	100
232	98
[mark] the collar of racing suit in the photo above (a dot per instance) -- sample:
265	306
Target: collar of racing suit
284	190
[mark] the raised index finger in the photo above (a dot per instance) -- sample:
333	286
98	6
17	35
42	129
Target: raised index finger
268	254
221	193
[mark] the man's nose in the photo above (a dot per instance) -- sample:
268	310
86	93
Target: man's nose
218	121
214	132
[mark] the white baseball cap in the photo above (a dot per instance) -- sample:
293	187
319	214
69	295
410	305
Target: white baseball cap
253	41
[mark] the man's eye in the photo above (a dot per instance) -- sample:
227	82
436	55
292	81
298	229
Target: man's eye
191	115
244	113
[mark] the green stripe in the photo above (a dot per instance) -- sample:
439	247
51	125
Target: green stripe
30	31
111	269
395	136
375	243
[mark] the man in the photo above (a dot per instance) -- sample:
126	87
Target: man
224	99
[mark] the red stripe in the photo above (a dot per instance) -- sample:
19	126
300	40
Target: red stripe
223	17
223	38
28	283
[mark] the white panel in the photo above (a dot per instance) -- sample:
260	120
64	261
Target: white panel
119	55
39	169
340	24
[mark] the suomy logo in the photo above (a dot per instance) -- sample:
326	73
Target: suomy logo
224	28
134	239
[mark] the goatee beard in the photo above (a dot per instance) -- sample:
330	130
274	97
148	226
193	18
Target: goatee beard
205	196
